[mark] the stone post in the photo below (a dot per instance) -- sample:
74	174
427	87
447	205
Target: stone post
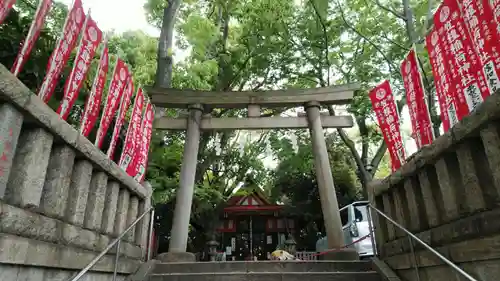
254	110
142	229
379	223
427	178
447	187
57	181
212	249
133	208
473	195
387	209
491	137
11	121
110	205
411	190
399	205
291	245
29	168
121	211
78	192
95	202
329	204
180	224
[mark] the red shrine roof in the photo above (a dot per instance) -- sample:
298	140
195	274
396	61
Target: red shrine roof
254	201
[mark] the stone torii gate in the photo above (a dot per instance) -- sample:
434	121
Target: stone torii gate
196	101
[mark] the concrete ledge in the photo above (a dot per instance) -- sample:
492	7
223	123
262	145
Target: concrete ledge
268	276
24	223
79	237
346	254
482	270
9	272
264	266
177	257
20	222
473	227
13	89
386	273
29	252
143	272
475	250
36	110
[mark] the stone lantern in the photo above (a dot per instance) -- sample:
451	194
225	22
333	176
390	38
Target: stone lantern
290	245
212	249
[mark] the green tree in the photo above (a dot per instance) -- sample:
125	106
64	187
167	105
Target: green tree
135	47
222	57
259	45
294	182
360	41
12	34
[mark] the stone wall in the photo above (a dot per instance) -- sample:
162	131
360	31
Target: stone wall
61	199
449	194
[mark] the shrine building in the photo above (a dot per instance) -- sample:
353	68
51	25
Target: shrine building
251	227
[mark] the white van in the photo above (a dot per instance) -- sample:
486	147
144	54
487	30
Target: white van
355	226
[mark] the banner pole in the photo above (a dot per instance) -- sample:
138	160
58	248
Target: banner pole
99	130
94	85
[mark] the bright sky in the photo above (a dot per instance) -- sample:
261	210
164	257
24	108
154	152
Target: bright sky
120	15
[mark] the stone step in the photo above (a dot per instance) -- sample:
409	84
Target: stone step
265	266
268	276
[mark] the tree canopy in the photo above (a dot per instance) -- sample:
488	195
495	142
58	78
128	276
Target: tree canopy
260	45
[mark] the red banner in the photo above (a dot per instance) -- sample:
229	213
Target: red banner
137	146
465	65
388	119
482	27
120	117
116	87
60	55
415	97
495	4
35	28
93	105
146	133
5	7
134	126
88	45
445	88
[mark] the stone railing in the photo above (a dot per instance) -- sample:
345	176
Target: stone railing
61	199
448	193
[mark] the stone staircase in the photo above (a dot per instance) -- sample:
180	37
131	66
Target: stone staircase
266	271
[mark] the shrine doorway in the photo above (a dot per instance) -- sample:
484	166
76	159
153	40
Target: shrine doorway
252	228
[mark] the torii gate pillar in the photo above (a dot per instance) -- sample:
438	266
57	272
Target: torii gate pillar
327	194
184	198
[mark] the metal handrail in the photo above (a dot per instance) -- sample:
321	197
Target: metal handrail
117	243
414	237
355	202
348	224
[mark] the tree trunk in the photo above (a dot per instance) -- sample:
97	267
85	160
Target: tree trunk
410	25
164	60
222	21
